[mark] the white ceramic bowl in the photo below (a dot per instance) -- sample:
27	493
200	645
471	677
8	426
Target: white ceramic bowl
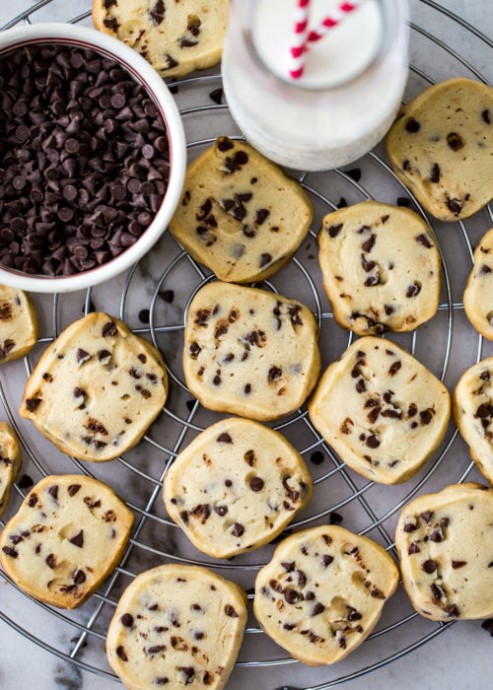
145	74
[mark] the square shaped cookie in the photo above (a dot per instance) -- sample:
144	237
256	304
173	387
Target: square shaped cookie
66	538
381	268
240	215
323	592
250	352
381	410
440	147
446	553
96	389
235	487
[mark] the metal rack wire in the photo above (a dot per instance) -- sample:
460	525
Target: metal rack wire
447	345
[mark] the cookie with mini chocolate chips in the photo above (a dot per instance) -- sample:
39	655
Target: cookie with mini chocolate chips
250	352
381	410
380	267
175	37
440	147
479	288
236	487
18	324
10	463
67	537
323	592
177	625
240	215
473	413
446	554
96	389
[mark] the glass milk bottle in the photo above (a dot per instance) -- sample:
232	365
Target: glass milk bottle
350	91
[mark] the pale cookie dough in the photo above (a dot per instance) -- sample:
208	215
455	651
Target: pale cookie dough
96	389
380	267
236	487
323	593
10	463
176	626
479	289
240	215
473	413
175	37
444	543
381	410
67	537
18	324
249	352
440	147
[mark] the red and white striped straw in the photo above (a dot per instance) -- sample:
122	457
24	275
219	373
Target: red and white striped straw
333	20
298	47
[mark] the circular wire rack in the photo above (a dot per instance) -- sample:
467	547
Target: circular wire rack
153	298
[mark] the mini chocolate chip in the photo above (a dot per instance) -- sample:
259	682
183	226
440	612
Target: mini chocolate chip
413	290
327	560
334	230
10	551
51	561
78	539
424	240
167	296
429	566
224	438
53	491
291	595
486	116
109	329
372	441
127	620
32	404
73	489
256	484
455	141
354	174
238	529
317	457
221	510
317	609
120	652
435	173
458	564
368	245
25	482
79	577
230	611
412	125
454	206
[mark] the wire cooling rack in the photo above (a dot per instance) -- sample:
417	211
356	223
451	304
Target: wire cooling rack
153	297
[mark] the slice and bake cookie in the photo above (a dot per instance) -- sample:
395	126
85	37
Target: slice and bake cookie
381	410
479	288
96	389
473	413
240	215
444	543
18	324
440	147
10	463
249	352
236	487
380	268
67	537
323	592
177	626
175	37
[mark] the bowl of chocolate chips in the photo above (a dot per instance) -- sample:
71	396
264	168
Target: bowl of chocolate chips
92	157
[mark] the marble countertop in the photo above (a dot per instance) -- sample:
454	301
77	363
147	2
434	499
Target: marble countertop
456	659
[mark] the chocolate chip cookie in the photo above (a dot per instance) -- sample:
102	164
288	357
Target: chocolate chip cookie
250	352
381	268
96	389
440	147
236	487
10	463
177	625
473	412
323	592
477	295
240	215
66	538
381	410
446	552
175	37
18	324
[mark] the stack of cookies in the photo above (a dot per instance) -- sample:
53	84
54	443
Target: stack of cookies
253	354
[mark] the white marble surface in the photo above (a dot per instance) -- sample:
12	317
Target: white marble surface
458	659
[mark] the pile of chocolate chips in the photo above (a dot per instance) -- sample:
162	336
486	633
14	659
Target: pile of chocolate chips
84	160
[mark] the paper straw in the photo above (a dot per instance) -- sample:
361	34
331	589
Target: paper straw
298	47
332	20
